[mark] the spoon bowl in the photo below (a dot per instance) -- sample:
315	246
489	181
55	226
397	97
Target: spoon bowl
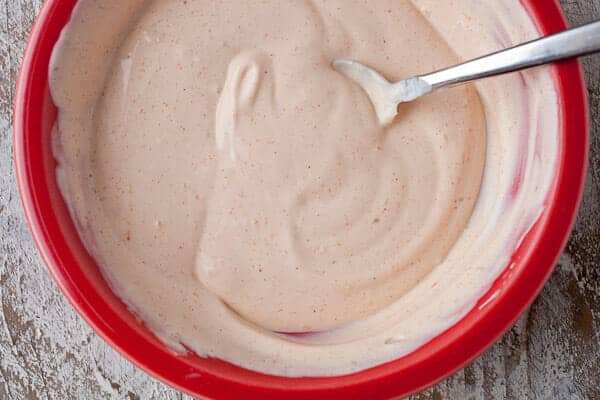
385	96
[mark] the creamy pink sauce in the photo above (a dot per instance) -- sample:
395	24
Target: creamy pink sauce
233	187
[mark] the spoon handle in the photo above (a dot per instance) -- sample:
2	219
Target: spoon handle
571	43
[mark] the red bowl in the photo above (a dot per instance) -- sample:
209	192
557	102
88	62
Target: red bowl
81	282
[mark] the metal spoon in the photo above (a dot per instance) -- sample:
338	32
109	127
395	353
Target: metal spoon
386	96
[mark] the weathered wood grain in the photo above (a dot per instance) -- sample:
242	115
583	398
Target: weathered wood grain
48	352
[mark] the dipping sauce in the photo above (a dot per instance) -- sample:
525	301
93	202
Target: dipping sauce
237	191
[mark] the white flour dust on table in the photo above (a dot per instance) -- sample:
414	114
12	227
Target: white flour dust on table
236	190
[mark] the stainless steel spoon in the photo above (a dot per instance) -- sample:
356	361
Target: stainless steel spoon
386	96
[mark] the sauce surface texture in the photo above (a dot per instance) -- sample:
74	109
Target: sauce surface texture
237	191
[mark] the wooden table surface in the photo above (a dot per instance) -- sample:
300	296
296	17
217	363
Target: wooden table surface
48	352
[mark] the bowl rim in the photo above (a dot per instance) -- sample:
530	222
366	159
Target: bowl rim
432	362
